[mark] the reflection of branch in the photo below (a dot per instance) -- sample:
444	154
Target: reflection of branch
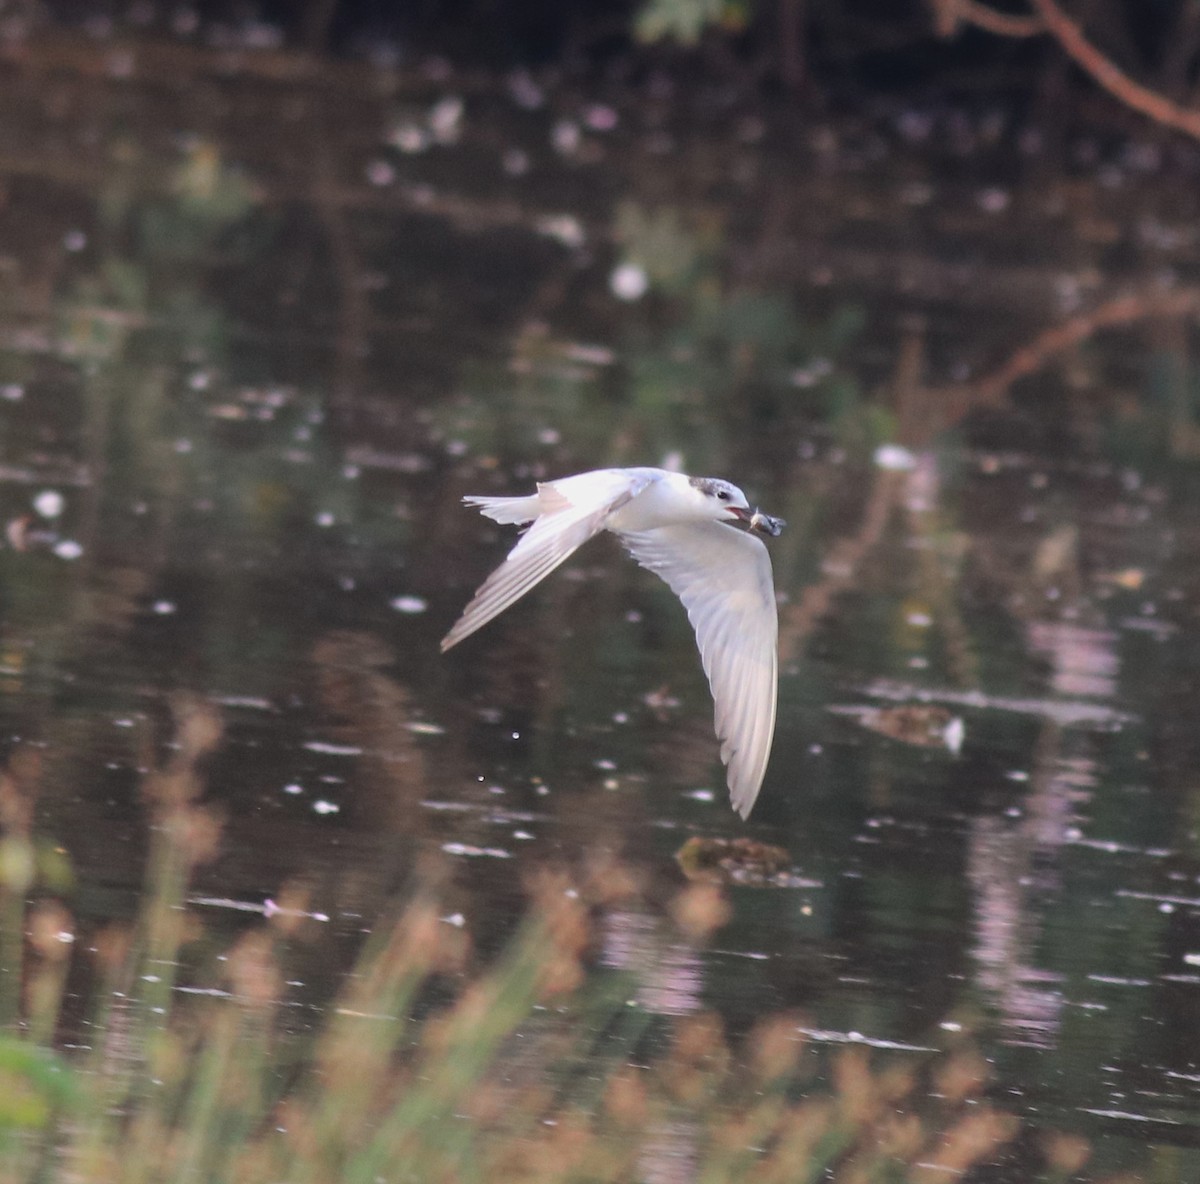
1051	19
1123	310
840	565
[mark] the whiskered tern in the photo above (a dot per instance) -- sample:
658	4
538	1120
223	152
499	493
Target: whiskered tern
682	529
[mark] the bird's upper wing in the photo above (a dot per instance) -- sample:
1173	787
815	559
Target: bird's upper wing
571	511
723	577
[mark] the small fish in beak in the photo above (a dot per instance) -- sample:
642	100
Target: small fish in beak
765	524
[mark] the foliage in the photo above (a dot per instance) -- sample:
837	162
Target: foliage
529	1072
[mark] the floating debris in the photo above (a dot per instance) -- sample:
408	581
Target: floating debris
924	725
732	861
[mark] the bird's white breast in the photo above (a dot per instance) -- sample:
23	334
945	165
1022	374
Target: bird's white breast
661	503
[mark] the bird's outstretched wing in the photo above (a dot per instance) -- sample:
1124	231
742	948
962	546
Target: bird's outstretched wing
723	577
570	512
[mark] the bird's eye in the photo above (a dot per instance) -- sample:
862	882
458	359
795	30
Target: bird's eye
722	496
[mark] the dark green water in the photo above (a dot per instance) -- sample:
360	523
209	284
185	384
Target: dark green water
259	336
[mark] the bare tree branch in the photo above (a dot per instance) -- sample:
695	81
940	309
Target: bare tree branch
1049	18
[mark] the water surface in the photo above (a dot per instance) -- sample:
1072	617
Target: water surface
257	338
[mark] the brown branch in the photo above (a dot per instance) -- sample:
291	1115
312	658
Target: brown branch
1050	18
1114	80
1031	357
1003	24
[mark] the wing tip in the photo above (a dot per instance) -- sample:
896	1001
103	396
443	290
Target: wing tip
743	800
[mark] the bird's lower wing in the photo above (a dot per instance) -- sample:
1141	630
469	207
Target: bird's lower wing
572	511
723	576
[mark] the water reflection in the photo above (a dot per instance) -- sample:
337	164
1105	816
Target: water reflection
248	370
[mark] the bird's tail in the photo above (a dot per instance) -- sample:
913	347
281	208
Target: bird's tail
507	509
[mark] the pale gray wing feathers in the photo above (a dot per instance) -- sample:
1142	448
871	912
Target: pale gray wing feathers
723	577
571	512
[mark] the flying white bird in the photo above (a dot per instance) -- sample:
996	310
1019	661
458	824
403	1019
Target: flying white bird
680	528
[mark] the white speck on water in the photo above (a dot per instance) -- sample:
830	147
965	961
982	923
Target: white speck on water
566	136
564	229
600	117
611	783
542	791
629	282
321	806
919	620
164	608
994	201
380	173
472	851
456	448
199	380
68	549
12	391
515	162
894	458
293	788
521	834
424	728
332	749
183	447
620	717
455	919
525	92
549	436
253	702
409	604
605	764
74	240
409	138
445	119
515	735
700	795
810	375
1191	959
325	518
1017	775
496	789
123	723
49	503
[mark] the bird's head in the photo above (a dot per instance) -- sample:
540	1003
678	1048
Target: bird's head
721	500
